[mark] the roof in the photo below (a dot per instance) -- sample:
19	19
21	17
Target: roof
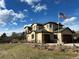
53	23
42	30
38	24
61	30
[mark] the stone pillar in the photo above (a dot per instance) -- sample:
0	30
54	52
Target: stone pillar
59	41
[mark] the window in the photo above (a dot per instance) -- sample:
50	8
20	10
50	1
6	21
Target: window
50	25
38	28
55	36
32	36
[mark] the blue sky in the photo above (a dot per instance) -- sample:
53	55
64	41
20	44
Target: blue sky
15	14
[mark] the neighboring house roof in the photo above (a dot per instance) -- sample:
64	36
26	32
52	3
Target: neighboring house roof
53	23
28	27
25	27
38	24
61	30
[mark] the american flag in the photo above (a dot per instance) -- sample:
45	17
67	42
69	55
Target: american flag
62	15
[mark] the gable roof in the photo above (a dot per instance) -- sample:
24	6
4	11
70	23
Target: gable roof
28	27
61	30
38	24
42	31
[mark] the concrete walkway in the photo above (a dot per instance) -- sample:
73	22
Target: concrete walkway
76	57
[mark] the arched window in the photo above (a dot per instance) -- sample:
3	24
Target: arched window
32	36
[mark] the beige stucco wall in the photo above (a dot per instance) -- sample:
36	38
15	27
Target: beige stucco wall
59	41
53	27
29	37
34	27
39	38
26	29
47	27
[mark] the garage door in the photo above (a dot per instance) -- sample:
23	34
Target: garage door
67	39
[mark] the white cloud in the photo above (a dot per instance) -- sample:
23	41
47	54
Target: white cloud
6	29
2	23
23	21
9	15
32	6
15	15
18	15
27	25
30	2
14	23
2	4
31	19
75	27
25	10
72	23
39	8
72	19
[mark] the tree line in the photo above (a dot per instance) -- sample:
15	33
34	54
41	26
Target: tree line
14	38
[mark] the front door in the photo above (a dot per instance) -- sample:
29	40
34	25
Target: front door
47	38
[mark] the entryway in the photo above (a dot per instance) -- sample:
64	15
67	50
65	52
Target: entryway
47	38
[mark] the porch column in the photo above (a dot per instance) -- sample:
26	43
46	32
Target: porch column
59	41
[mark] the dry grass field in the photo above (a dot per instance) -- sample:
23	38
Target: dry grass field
24	51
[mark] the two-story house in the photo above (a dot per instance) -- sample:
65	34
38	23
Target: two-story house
50	32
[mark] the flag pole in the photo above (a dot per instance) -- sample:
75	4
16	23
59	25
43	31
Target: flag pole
58	23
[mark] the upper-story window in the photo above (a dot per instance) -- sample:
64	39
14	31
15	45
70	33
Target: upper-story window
32	36
50	25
